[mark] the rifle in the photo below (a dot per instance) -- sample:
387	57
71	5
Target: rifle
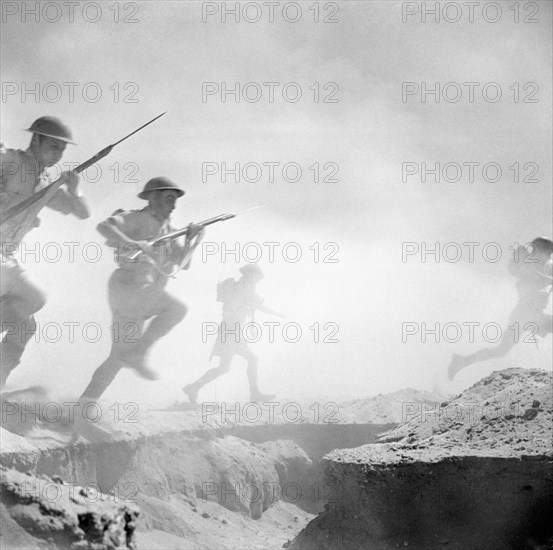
185	230
42	197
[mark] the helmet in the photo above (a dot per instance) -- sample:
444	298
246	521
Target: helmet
524	263
252	270
53	127
160	184
543	245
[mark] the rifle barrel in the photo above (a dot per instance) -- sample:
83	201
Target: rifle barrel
184	230
181	232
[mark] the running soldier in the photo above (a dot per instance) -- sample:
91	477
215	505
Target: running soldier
136	288
22	174
532	266
239	301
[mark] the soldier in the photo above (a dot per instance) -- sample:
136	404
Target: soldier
532	267
22	174
239	300
137	288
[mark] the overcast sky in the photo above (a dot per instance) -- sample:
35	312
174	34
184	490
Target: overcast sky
161	61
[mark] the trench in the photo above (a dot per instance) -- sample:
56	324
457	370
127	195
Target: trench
309	490
168	472
476	503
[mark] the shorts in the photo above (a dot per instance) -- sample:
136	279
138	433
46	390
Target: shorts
230	343
132	304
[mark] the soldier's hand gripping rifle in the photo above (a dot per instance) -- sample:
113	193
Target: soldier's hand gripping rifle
37	201
164	239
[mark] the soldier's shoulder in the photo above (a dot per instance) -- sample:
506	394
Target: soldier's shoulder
7	154
124	212
134	217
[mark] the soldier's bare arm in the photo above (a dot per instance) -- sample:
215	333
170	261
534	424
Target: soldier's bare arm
69	200
113	230
269	311
79	206
193	239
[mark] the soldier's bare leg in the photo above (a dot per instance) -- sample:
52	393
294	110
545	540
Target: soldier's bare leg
125	334
545	325
252	374
192	389
255	394
459	362
20	300
102	378
130	345
169	313
520	316
131	306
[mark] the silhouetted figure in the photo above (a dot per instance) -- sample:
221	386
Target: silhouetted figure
532	266
239	300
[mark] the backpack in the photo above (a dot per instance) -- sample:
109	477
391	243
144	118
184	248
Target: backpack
225	290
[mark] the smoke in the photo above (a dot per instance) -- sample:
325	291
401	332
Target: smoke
369	213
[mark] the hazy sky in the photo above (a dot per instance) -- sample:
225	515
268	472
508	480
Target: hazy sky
162	60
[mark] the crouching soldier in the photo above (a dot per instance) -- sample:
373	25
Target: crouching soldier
136	290
22	174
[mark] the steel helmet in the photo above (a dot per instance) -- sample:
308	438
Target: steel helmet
251	270
543	245
160	184
51	126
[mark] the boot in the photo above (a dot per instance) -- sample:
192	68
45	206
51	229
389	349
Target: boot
192	394
257	397
139	362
